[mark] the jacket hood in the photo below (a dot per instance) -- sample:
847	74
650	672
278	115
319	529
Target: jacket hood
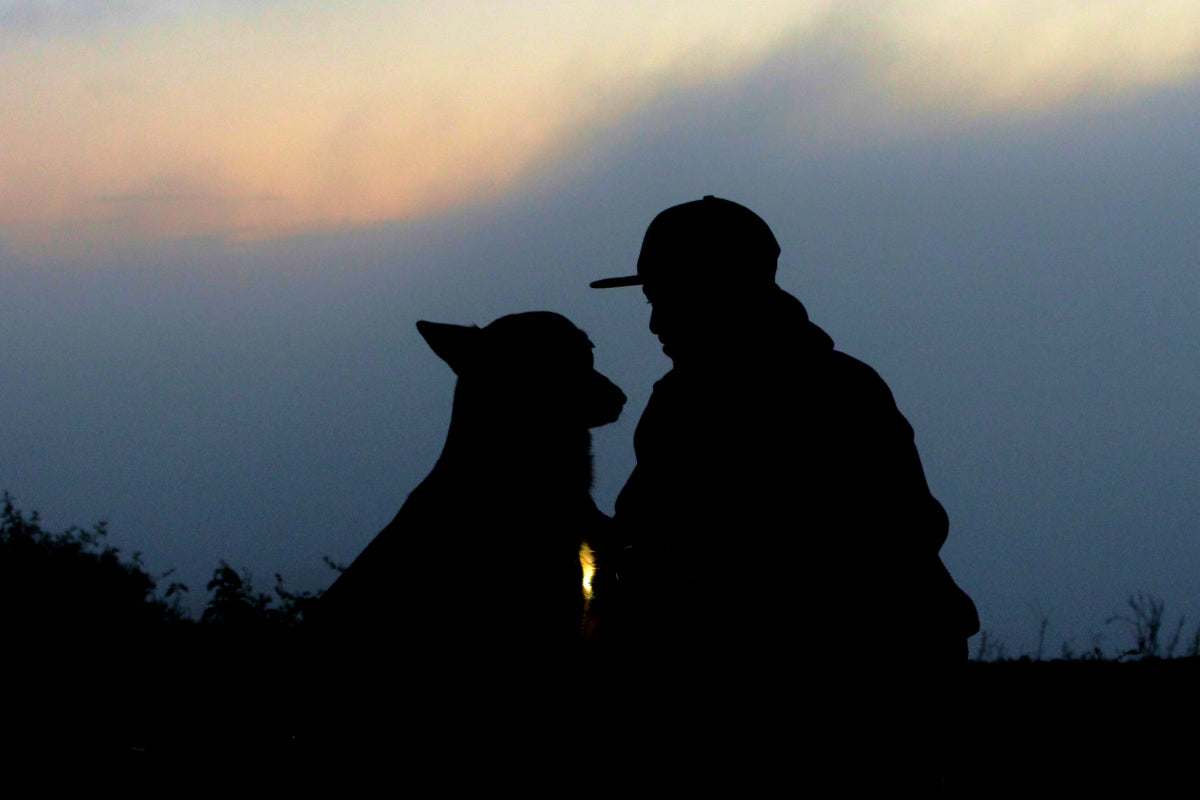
792	319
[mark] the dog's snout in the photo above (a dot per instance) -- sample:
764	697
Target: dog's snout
607	400
619	397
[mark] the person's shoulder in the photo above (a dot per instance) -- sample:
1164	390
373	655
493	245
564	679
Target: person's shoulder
852	368
851	378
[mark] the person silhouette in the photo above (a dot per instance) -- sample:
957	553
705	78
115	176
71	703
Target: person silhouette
778	522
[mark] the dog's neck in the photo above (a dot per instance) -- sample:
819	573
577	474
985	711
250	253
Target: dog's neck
515	452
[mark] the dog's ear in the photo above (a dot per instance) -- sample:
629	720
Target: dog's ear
454	344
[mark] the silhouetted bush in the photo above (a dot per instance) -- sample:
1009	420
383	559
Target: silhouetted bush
234	601
96	661
74	579
1145	623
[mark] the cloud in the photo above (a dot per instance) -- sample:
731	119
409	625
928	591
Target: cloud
384	112
177	213
993	55
353	117
39	19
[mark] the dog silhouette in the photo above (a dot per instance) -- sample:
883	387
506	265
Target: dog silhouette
483	559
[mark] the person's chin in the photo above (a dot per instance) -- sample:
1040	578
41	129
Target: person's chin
674	353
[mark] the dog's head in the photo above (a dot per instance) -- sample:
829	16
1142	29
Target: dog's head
533	365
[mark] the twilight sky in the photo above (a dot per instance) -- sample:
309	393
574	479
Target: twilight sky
220	221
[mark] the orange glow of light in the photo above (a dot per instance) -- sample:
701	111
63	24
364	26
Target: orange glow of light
587	560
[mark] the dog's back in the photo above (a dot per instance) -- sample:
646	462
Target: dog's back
484	555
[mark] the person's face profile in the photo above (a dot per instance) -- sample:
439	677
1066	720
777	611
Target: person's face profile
683	317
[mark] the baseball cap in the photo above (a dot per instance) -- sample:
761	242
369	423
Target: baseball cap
713	239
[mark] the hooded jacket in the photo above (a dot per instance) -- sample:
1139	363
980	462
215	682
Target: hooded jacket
784	483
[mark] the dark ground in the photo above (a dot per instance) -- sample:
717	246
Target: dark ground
203	695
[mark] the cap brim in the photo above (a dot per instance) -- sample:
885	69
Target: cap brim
612	283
